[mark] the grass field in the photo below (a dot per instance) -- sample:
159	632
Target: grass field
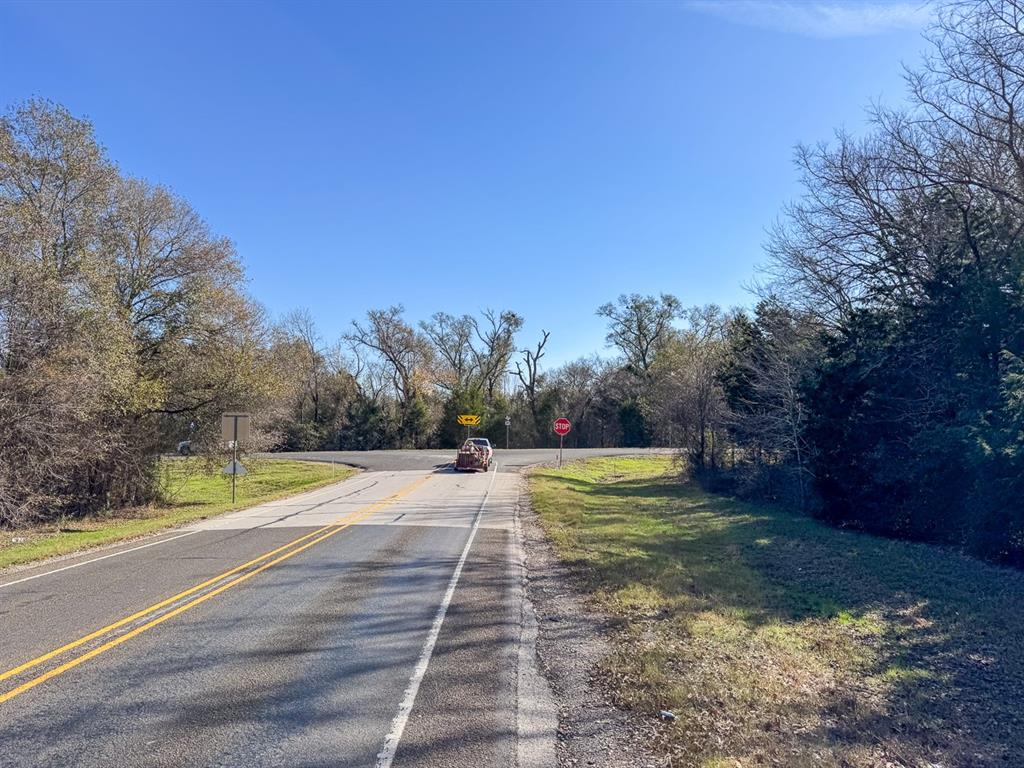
777	640
193	490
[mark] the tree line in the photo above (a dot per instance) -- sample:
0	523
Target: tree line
125	331
882	377
390	383
878	382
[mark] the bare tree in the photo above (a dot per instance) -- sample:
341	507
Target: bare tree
309	361
369	374
452	338
885	215
497	337
407	357
639	325
406	353
577	384
529	375
686	396
769	362
964	131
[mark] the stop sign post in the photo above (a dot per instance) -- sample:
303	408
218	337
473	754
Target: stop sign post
562	428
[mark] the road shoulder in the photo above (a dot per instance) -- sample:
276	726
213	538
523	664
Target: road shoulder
536	708
571	639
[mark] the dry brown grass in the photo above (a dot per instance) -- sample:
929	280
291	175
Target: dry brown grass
780	641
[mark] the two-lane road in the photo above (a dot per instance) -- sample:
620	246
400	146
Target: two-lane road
508	460
373	622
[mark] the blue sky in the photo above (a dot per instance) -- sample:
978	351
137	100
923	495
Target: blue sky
543	157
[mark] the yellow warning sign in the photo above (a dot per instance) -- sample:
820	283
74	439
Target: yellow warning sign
469	420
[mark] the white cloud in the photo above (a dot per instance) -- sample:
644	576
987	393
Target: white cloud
820	18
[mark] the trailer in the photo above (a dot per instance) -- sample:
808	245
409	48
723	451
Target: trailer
474	454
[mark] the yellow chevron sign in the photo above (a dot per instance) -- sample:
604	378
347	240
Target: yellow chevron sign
469	420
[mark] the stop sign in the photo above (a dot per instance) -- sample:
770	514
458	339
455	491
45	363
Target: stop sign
562	427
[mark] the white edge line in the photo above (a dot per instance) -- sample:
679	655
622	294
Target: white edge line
387	752
95	560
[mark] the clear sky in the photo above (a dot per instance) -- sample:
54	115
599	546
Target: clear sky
542	157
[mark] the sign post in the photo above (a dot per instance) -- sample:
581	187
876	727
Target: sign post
468	420
562	428
234	427
508	425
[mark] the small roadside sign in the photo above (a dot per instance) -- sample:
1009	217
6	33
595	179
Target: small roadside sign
562	428
235	427
469	420
235	468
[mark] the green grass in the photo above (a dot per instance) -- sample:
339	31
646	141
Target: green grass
777	640
193	490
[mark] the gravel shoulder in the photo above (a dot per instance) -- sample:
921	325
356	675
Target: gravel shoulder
572	640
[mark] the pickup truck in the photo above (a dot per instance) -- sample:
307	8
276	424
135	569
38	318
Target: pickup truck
475	453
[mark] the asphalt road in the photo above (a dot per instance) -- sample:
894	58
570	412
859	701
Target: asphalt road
374	622
508	460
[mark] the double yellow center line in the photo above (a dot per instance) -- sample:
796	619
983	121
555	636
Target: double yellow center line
278	555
